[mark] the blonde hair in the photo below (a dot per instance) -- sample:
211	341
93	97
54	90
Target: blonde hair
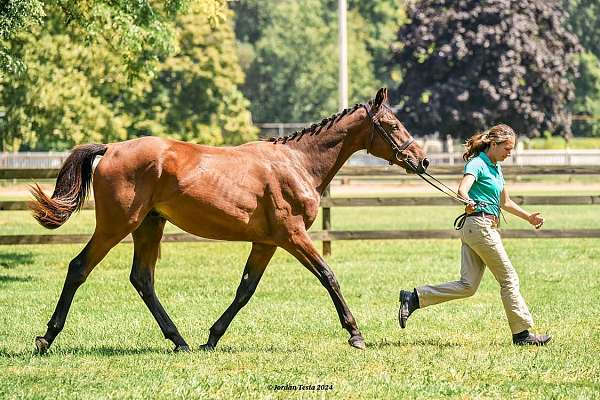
481	141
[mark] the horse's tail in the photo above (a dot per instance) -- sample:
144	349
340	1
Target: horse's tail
72	187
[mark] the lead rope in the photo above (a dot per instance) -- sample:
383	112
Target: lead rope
460	220
398	150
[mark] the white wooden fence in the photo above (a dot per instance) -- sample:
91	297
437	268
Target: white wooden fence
53	160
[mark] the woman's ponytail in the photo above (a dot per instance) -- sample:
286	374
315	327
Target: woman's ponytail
481	141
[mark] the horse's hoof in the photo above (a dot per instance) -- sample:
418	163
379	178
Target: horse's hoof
41	345
358	342
182	349
207	347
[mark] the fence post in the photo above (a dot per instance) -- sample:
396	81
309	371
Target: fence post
450	149
326	224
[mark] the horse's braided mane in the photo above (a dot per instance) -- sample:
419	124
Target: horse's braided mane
316	128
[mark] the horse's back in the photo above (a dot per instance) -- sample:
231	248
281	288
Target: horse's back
230	193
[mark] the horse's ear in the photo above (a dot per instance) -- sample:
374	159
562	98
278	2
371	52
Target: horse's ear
380	98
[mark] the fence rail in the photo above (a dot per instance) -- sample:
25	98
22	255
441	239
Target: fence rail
329	235
438	154
376	171
322	236
329	202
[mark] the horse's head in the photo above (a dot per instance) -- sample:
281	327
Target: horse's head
387	138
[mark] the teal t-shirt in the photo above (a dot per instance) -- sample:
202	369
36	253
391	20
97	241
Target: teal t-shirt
488	184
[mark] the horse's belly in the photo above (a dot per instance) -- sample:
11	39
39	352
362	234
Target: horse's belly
216	219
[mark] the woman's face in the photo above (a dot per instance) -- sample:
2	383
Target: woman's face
501	151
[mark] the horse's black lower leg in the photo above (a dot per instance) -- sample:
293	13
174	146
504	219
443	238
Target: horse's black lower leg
146	240
308	255
255	266
79	269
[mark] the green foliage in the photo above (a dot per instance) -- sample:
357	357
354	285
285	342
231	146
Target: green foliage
63	96
138	32
383	18
194	95
72	92
14	16
584	21
587	96
291	53
559	143
471	64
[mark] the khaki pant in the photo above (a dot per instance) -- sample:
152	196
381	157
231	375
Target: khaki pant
481	246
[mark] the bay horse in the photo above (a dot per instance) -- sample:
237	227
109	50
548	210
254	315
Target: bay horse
264	192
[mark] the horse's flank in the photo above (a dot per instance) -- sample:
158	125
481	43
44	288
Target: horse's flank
228	193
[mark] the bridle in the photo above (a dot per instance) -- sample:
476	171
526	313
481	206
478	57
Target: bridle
401	156
398	149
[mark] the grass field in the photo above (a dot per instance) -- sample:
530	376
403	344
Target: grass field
559	143
289	333
343	218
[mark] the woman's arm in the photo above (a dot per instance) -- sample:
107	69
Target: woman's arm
463	191
507	204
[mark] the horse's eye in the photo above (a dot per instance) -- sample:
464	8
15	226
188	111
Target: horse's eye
395	126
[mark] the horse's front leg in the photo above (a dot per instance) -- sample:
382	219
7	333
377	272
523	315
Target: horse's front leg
304	250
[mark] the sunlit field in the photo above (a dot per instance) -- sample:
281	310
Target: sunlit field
289	333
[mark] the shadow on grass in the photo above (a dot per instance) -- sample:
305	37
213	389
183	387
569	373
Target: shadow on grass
5	279
433	342
110	351
228	349
10	260
103	351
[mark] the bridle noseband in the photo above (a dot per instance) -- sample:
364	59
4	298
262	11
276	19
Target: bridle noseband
400	156
396	148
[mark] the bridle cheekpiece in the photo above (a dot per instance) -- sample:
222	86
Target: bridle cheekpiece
398	149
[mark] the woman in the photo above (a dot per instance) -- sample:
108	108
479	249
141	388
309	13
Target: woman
483	186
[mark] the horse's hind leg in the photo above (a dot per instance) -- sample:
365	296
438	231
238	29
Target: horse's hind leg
146	239
304	250
79	269
259	258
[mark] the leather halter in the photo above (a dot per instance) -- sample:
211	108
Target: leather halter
396	148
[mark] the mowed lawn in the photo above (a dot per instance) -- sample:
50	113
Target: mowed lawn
289	333
347	218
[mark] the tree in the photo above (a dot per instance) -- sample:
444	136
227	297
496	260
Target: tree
469	64
138	31
69	93
72	93
195	95
292	67
383	18
584	21
15	16
587	96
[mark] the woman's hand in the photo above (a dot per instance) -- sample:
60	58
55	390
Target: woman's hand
536	220
470	208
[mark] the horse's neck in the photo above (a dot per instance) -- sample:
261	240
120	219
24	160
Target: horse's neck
326	152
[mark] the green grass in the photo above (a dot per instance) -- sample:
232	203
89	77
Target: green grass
558	143
289	332
345	218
